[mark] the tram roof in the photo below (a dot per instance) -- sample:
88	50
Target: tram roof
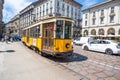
48	20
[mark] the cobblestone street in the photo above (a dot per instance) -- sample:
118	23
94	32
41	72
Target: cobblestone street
93	65
84	65
18	62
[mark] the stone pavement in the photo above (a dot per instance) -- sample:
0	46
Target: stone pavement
19	63
83	65
93	65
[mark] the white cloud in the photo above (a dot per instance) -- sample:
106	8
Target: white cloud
88	3
12	7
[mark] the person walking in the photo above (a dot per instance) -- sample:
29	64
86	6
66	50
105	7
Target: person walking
11	39
6	38
3	38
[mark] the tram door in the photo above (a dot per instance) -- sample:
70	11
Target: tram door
48	36
27	35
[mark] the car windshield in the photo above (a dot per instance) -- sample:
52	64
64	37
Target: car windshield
77	39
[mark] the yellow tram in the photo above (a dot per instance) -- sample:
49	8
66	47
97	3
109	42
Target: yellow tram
50	36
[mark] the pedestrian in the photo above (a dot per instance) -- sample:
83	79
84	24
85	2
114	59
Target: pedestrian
6	38
11	39
2	38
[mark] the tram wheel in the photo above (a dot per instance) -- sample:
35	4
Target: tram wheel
42	54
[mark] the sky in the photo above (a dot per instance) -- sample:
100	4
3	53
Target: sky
13	7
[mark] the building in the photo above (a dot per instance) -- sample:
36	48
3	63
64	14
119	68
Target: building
27	16
8	27
13	27
102	20
1	16
43	9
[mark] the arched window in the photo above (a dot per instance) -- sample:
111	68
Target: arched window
101	32
111	31
119	32
93	32
86	32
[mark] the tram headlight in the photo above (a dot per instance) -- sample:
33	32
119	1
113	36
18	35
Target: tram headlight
67	45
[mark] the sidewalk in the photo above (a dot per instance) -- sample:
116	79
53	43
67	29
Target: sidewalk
18	63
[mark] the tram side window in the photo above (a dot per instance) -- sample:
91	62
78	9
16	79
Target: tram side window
35	31
59	29
38	31
24	33
31	32
67	30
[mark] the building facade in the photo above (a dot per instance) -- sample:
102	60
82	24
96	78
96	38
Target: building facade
43	9
27	16
13	27
102	20
1	16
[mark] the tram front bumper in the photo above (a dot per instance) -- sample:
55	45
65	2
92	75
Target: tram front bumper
64	54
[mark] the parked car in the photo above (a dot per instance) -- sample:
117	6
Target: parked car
106	46
82	40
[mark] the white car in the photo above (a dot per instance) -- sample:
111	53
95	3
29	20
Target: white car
82	40
106	46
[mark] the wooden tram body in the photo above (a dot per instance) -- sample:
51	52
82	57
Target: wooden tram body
50	36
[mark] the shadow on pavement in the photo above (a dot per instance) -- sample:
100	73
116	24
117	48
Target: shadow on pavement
10	51
74	58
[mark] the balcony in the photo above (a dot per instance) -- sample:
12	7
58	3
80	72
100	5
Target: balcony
93	17
50	14
58	14
102	16
112	14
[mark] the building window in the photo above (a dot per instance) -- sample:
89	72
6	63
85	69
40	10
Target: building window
93	22
72	12
111	19
58	10
47	6
85	16
68	8
85	23
46	11
86	33
93	32
43	10
111	31
101	31
43	7
101	20
112	9
58	4
63	6
93	14
40	11
119	32
50	10
67	14
40	14
102	12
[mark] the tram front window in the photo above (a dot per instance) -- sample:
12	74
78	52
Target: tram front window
67	30
59	32
59	29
